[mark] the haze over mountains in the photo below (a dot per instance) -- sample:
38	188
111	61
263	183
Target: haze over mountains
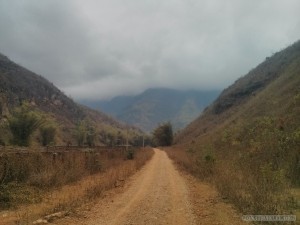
157	105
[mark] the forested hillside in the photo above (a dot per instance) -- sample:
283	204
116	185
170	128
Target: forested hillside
19	85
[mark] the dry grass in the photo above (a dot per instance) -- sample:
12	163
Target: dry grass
253	165
79	184
251	152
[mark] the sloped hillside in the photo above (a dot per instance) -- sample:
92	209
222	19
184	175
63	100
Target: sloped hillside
233	98
248	141
18	84
157	105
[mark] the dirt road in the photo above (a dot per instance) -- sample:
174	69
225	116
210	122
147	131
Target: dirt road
159	194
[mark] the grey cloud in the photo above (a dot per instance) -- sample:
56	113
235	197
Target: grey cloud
99	49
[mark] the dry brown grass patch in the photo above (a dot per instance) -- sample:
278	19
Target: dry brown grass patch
68	196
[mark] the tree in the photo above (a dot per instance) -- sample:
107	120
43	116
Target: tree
47	133
111	139
22	123
80	133
85	133
163	135
90	136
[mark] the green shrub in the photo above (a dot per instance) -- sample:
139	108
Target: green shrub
2	142
5	196
130	154
14	193
22	123
47	133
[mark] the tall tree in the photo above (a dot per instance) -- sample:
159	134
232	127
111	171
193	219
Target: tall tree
163	135
47	133
22	123
85	133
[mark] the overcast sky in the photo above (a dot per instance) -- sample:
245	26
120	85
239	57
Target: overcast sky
96	49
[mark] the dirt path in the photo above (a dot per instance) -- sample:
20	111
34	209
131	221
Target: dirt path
158	194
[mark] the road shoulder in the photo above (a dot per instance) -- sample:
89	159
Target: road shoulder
208	207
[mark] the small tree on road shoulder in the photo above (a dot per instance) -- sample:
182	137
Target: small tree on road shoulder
163	135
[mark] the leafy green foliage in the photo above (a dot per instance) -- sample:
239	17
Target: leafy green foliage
163	135
22	123
47	132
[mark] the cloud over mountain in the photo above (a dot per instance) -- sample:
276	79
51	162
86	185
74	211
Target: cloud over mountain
100	49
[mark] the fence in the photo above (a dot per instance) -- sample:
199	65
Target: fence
60	149
18	163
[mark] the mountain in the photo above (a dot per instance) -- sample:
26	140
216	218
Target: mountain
252	93
157	105
17	84
247	142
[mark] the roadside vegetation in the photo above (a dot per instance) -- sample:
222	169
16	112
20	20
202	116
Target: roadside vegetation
22	123
253	165
251	149
37	177
44	179
54	153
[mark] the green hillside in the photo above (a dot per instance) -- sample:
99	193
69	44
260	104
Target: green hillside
248	141
19	85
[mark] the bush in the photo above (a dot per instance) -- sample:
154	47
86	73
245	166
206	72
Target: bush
130	154
2	142
14	193
5	196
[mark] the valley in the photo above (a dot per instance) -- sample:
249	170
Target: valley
186	157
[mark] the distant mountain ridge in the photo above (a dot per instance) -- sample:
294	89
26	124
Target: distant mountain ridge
157	105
